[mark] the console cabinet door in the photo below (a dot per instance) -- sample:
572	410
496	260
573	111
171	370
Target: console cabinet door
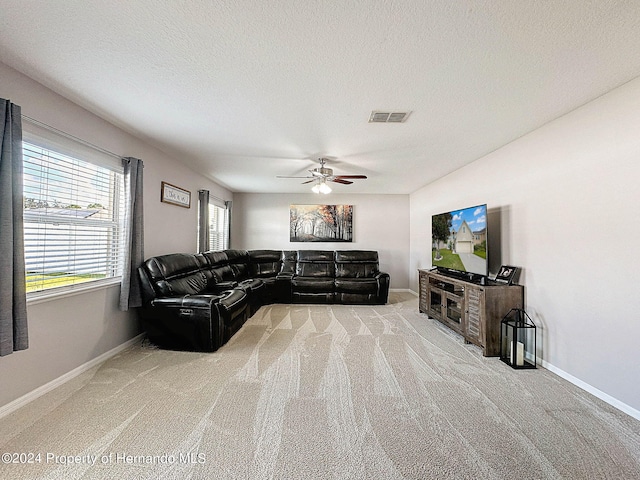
454	313
435	298
474	331
446	307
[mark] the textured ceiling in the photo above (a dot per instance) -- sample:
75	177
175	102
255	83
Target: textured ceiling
244	90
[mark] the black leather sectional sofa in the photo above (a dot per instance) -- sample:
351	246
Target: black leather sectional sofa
198	301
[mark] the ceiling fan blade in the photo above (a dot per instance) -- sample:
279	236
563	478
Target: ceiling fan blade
340	180
325	174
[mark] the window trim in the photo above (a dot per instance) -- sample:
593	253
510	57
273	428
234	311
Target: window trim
56	293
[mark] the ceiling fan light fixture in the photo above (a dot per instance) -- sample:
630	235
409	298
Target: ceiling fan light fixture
321	176
321	187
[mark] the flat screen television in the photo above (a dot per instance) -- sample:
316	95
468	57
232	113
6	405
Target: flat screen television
459	241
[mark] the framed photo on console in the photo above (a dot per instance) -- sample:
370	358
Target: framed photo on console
506	274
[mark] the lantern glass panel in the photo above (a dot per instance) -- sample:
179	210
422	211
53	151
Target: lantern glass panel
518	340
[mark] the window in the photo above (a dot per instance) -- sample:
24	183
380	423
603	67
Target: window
218	227
73	212
213	223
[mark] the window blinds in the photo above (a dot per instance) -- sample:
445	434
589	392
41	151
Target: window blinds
218	227
73	213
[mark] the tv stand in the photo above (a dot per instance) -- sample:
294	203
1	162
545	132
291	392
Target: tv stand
471	308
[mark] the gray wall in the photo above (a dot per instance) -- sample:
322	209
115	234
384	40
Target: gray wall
67	332
564	203
380	222
564	198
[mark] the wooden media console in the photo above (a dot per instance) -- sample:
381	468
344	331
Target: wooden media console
473	309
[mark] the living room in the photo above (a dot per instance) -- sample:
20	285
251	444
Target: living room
562	196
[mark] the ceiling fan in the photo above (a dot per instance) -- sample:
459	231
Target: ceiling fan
322	174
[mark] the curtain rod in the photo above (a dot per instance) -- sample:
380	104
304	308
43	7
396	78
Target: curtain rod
38	123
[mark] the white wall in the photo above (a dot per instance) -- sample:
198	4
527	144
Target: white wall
380	222
68	332
566	201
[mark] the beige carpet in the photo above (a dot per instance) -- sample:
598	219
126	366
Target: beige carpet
317	392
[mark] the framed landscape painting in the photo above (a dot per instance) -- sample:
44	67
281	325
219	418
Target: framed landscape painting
321	223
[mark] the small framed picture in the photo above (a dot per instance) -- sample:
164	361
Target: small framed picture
175	195
506	274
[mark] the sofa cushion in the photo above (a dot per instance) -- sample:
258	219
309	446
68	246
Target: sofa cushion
356	298
176	274
238	261
312	284
315	255
356	285
219	267
313	297
315	263
216	259
315	269
264	263
356	264
356	270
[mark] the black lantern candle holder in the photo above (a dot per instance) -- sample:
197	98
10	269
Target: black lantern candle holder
518	339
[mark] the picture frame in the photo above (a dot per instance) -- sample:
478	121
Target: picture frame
175	195
321	223
506	274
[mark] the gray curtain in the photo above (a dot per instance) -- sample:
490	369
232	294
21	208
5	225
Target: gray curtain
203	221
13	296
228	205
130	295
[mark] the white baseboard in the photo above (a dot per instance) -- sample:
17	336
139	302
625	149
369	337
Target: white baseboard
38	392
403	290
614	402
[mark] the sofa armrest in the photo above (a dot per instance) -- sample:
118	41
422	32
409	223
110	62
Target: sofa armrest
185	322
383	286
224	285
187	301
146	288
283	286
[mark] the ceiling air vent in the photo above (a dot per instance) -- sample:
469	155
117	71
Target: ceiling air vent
388	117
